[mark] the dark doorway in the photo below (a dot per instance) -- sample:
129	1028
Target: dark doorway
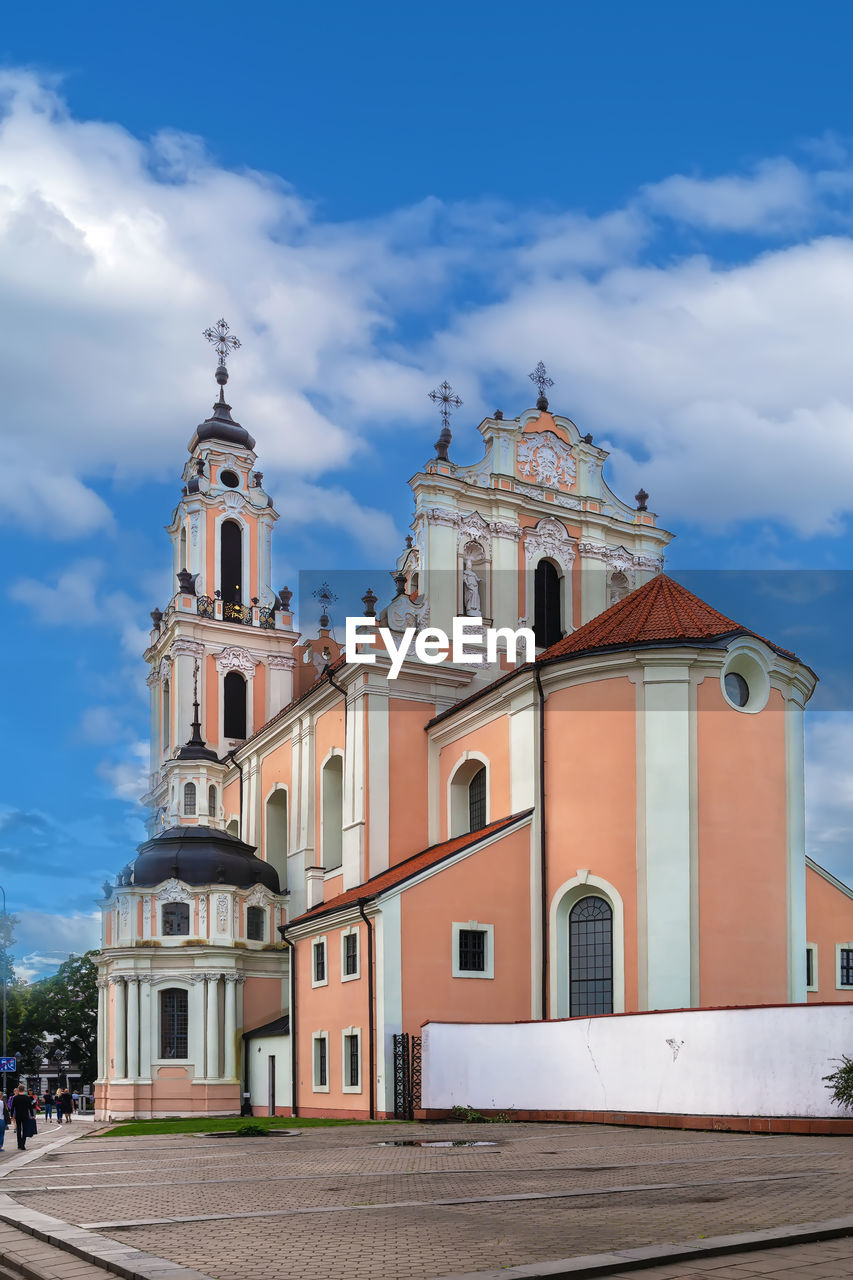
546	605
231	562
234	711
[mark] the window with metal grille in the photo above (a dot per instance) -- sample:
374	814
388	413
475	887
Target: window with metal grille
477	800
809	967
351	1061
211	801
350	954
255	918
472	950
319	962
847	966
174	1020
321	1066
590	957
175	919
189	799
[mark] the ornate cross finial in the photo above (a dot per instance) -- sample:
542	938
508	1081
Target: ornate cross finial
326	596
539	376
447	400
224	342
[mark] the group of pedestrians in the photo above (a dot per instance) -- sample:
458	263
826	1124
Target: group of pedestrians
21	1107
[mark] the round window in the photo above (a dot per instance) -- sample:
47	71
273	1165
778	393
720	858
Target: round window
737	690
230	479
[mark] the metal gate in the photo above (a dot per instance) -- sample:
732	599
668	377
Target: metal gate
407	1075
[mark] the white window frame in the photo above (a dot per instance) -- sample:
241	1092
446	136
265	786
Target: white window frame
812	948
839	947
315	942
319	1088
457	813
351	1088
348	933
265	911
489	931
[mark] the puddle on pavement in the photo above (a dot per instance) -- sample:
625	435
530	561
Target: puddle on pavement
268	1133
447	1142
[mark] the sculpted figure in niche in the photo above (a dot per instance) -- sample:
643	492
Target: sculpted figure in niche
471	591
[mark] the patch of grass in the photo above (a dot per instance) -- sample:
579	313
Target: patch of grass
223	1124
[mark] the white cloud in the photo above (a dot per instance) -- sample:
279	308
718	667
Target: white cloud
777	196
128	775
72	601
44	939
829	791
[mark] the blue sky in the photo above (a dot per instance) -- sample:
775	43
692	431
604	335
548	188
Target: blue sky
656	200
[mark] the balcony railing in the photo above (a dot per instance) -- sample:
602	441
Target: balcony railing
236	612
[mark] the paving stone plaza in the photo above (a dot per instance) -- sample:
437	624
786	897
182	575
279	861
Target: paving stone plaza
355	1201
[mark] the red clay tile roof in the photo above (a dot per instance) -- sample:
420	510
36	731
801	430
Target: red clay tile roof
410	867
659	611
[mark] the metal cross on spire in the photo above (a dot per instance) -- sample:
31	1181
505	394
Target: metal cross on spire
445	397
224	341
539	376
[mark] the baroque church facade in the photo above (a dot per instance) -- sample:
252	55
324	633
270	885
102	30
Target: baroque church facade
336	857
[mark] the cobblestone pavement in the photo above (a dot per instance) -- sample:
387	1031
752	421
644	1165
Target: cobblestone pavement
333	1202
829	1260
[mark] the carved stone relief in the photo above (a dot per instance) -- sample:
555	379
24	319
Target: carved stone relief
546	459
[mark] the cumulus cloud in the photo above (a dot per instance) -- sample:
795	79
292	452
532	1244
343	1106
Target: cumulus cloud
127	776
44	939
829	791
777	196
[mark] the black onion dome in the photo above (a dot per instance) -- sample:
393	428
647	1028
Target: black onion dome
221	426
200	856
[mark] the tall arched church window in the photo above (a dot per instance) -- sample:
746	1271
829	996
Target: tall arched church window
234	708
167	716
189	799
174	1023
276	847
547	604
333	812
590	957
477	800
211	801
231	561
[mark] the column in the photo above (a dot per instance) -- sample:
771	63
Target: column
133	1028
229	1069
145	1007
119	1030
212	1072
102	1030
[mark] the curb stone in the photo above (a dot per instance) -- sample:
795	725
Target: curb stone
604	1264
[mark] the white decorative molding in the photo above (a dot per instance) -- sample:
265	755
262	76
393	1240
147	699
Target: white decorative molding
221	912
655	563
235	659
593	551
174	891
152	678
563	500
503	530
442	515
403	612
146	917
236	917
194	648
546	459
473	528
259	897
281	662
549	538
202	915
164	670
233	499
195	521
124	913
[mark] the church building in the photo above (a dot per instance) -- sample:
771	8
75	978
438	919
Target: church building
335	857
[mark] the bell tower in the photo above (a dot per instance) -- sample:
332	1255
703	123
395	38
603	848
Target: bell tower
221	652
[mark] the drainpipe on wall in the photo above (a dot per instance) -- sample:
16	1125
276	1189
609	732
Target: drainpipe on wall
371	1040
543	849
294	1079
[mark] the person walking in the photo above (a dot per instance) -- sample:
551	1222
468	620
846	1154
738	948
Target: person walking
5	1120
48	1104
57	1102
23	1112
67	1105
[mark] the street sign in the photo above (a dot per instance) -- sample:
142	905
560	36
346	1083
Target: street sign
8	1064
87	1089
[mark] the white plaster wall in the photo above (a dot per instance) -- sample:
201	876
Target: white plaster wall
259	1052
750	1062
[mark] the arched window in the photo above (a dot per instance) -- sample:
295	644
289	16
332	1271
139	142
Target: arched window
175	920
167	716
231	561
255	922
468	798
189	799
174	1021
590	957
477	800
276	845
333	812
234	712
547	605
211	801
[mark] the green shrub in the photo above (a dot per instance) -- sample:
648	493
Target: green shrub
466	1114
840	1082
251	1130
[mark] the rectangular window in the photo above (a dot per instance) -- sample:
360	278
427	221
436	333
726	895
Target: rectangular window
174	1020
809	967
175	919
472	950
352	1065
320	962
350	954
255	917
321	1062
846	967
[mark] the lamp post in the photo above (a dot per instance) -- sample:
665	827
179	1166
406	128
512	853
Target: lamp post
3	891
